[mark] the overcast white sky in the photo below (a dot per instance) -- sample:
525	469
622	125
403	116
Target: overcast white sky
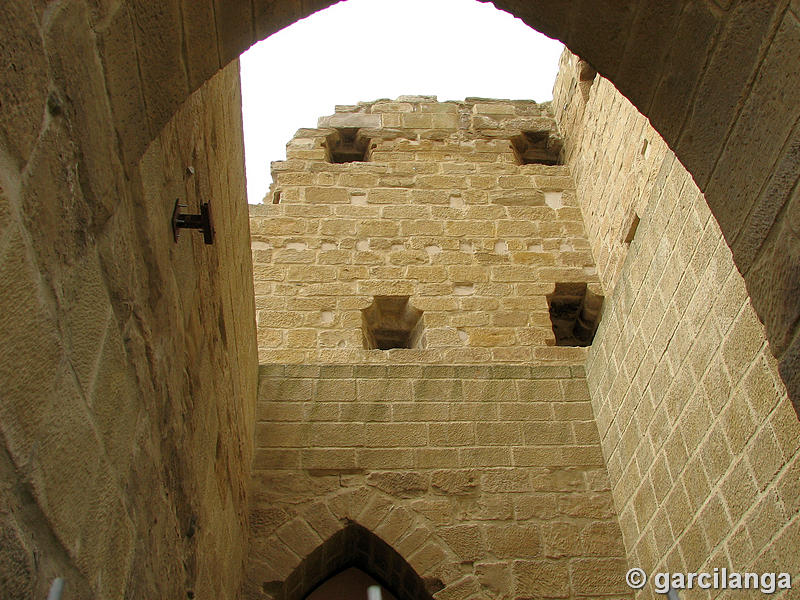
363	50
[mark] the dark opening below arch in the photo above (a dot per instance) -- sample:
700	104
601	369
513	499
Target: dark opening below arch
354	546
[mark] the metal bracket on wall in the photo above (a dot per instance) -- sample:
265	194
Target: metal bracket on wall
189	221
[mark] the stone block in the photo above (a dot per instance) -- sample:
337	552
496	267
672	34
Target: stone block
498	434
200	34
161	60
395	435
540	578
329	459
107	540
379	458
378	390
17	582
494	108
327	195
77	69
599	575
336	435
31	358
758	128
70	472
451	434
465	540
397	523
416	121
402	485
269	459
351	120
114	403
281	435
514	541
118	52
299	537
434	458
322	520
426	558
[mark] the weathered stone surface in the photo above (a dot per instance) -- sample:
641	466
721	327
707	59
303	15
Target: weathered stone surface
17	561
25	80
441	505
86	404
402	485
200	41
696	26
424	234
671	388
117	48
720	91
36	343
540	577
350	120
82	99
636	77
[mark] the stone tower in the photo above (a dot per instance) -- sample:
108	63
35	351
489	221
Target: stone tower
451	224
425	293
506	354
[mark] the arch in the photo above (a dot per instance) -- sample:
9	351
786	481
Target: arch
301	552
293	551
716	79
352	546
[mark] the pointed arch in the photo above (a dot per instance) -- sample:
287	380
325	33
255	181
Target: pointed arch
307	544
356	546
351	546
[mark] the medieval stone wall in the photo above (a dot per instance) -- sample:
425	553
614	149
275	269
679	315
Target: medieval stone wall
128	362
487	480
439	209
88	86
700	438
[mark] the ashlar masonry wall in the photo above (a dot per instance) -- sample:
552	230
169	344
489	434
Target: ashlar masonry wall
483	475
488	481
441	211
127	361
699	436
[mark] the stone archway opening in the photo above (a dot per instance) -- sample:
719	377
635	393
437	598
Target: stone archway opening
710	76
353	547
717	79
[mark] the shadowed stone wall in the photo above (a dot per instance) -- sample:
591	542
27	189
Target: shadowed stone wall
128	362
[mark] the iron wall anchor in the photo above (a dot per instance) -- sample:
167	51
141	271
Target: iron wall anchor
188	221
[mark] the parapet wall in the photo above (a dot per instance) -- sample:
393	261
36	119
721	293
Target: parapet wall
455	205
